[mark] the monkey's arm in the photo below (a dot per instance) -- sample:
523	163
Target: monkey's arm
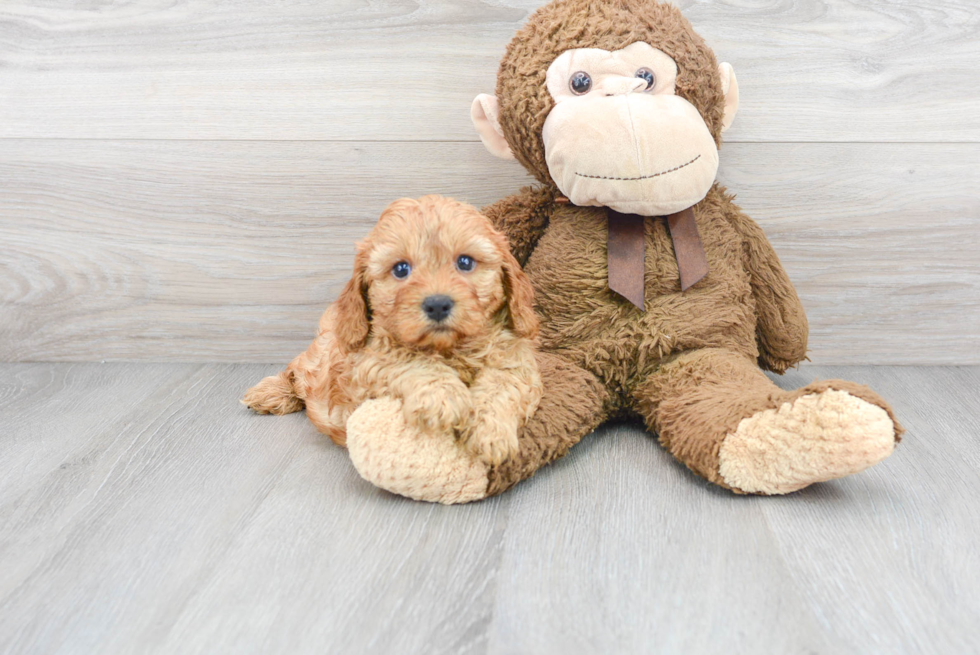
523	218
781	330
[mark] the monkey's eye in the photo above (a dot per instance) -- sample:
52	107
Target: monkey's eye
465	263
647	74
401	270
580	83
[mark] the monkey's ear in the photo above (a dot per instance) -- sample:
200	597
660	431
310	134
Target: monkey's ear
729	86
484	112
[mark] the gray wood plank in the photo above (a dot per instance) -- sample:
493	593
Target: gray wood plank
809	70
229	251
170	519
899	563
108	529
633	554
638	555
117	549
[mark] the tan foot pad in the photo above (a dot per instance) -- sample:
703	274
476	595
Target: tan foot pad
817	437
399	459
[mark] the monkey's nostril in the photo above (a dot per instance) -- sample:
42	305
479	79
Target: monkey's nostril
437	308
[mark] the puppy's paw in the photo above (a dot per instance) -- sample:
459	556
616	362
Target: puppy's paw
273	395
439	408
491	439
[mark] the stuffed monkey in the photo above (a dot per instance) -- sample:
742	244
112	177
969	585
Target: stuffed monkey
657	296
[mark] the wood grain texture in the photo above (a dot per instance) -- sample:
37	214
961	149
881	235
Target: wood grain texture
809	70
142	509
229	251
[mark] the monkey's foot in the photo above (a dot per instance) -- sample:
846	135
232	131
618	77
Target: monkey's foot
816	437
395	456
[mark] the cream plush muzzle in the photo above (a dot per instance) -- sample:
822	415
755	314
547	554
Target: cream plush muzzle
626	144
636	153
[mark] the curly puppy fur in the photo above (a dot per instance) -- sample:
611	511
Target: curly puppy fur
677	364
472	373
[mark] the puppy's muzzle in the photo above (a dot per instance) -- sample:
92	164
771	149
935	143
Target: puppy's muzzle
437	308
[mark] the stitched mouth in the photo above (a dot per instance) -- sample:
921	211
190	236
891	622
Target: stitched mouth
642	177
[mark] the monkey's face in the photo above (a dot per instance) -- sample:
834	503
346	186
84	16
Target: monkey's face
626	113
619	137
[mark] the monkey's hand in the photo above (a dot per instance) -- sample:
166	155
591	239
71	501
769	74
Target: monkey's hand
781	325
442	405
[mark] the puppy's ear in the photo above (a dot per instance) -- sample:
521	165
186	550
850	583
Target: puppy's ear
520	295
353	321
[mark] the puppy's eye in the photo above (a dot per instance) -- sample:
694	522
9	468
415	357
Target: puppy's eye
401	270
647	75
580	83
465	263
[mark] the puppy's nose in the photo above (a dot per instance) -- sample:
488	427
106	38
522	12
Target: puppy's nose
437	308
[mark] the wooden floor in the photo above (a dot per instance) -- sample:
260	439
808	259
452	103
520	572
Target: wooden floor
143	509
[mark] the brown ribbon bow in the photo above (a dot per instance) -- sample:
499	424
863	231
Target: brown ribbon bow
626	245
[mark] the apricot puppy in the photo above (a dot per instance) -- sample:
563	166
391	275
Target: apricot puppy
438	315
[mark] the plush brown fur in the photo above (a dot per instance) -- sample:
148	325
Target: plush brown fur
689	364
474	373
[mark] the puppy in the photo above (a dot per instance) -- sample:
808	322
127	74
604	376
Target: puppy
438	314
